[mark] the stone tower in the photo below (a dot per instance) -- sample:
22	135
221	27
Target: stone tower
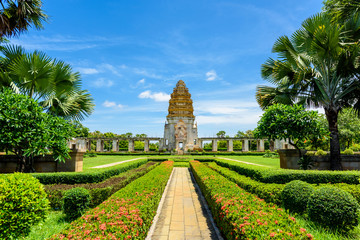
180	132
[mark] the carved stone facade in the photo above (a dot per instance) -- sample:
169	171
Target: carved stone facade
180	132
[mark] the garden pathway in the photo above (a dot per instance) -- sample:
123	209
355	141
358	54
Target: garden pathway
183	212
116	163
242	162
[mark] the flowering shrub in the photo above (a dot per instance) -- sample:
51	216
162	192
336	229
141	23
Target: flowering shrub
99	192
241	215
126	214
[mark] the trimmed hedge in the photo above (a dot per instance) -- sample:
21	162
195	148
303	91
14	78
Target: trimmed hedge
23	204
86	177
270	175
99	192
295	196
75	202
241	215
126	214
270	192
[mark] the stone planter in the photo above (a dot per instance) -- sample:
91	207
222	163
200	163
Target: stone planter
289	158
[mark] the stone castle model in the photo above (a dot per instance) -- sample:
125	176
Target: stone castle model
180	132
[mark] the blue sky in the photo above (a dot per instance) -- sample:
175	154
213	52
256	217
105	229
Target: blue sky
131	54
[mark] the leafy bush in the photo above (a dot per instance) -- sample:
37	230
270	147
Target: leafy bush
86	177
334	208
99	192
75	202
320	153
348	152
241	215
295	196
90	154
306	162
355	147
126	214
23	203
270	175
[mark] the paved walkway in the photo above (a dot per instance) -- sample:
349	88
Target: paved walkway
182	215
242	162
116	163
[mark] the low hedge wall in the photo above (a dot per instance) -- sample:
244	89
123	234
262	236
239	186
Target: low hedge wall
99	192
87	177
241	215
270	175
126	214
131	153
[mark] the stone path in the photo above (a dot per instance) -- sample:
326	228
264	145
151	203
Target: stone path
182	214
242	162
116	163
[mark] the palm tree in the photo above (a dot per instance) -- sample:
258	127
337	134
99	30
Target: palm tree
317	67
341	10
17	16
51	82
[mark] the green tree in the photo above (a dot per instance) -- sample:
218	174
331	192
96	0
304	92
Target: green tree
341	10
289	122
316	66
51	82
28	132
221	134
79	129
17	16
349	127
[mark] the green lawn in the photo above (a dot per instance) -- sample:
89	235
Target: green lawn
54	223
103	159
269	162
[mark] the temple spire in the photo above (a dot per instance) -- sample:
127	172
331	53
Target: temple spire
180	104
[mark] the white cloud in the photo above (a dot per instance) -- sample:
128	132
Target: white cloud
157	96
111	68
142	81
109	104
87	71
211	75
102	82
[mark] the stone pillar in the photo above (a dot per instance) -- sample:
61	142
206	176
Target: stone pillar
230	146
245	145
277	144
146	145
99	145
74	164
260	145
115	145
81	144
131	145
199	143
89	145
161	144
214	145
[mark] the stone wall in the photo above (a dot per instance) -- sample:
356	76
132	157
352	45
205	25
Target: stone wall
45	163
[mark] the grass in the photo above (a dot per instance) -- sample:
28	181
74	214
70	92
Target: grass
90	162
53	224
269	162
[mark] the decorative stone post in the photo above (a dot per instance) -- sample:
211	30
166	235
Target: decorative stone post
74	164
131	146
81	144
278	144
230	146
245	145
146	145
260	145
200	143
89	145
214	145
99	145
115	145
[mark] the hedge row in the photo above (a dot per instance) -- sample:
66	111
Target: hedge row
270	175
99	192
132	153
241	215
87	177
126	214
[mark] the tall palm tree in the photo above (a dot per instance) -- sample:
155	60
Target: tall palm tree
317	67
17	16
51	82
341	10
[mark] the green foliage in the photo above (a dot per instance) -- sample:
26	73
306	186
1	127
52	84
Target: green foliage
294	122
355	147
348	152
333	208
29	132
349	127
295	196
270	175
306	162
23	203
137	204
75	202
241	215
320	153
87	177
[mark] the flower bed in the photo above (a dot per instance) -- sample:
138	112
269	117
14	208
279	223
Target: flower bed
126	214
99	192
269	175
241	215
87	177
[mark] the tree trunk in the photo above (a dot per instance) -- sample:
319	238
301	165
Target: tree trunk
335	158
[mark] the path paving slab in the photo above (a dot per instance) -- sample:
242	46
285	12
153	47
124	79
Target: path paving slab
182	214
